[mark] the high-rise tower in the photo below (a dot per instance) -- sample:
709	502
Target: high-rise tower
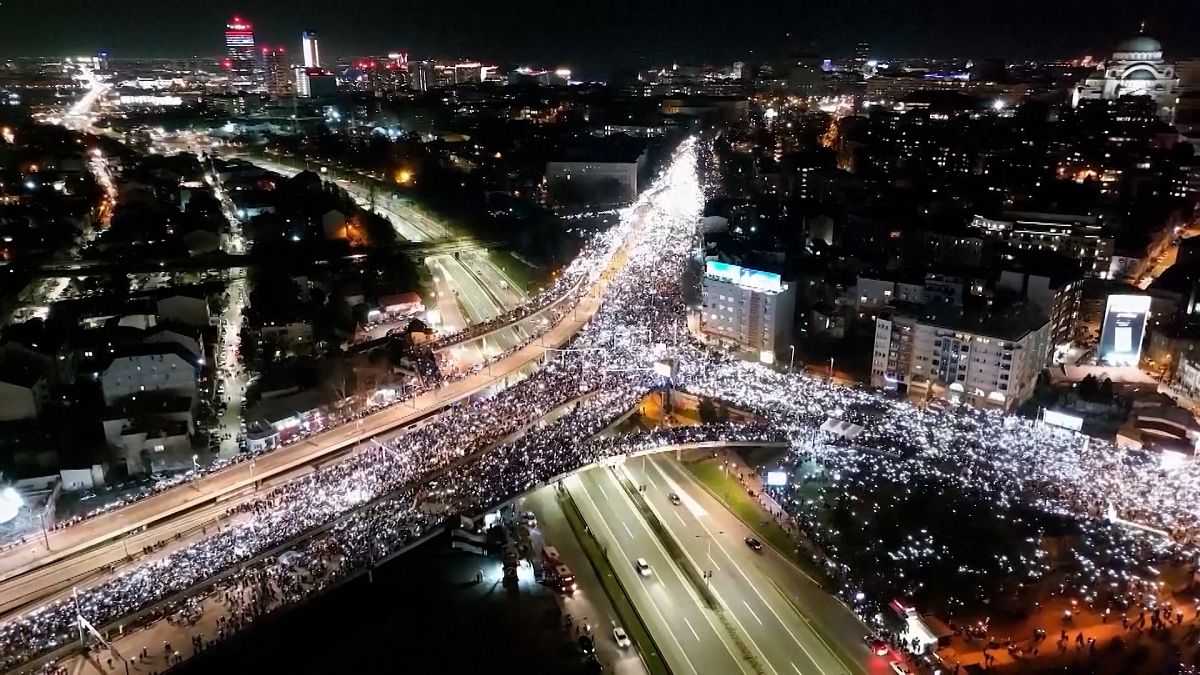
276	76
239	50
312	53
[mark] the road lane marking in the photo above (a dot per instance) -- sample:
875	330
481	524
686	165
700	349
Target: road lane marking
692	505
684	583
796	668
722	634
752	613
626	526
829	650
602	490
714	563
653	605
681	520
689	625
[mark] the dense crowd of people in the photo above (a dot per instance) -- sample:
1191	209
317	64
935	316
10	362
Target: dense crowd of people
1058	471
384	495
473	456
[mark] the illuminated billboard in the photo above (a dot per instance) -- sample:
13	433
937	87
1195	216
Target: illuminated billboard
753	279
777	478
1123	329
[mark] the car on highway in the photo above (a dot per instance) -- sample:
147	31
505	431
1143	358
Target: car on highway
587	646
529	519
899	668
642	566
621	637
674	498
754	544
878	647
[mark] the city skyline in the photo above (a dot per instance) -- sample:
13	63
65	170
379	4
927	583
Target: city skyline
647	339
604	38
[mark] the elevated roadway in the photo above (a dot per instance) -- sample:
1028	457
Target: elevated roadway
70	553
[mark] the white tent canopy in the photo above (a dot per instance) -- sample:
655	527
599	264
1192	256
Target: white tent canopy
841	428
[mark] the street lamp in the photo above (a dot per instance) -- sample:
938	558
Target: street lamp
792	358
725	467
45	535
708	550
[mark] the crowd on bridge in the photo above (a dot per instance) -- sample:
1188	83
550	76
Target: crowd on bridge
389	494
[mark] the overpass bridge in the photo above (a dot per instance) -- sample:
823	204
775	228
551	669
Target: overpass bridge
709	440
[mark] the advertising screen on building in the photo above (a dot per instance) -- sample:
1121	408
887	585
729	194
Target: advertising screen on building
1124	326
742	276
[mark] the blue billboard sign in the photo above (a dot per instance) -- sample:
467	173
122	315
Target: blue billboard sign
742	276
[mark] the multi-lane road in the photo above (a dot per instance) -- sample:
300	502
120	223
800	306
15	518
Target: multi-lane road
691	636
828	635
56	564
588	604
470	288
771	617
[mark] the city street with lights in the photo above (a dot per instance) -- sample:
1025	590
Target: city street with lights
588	604
691	636
459	281
623	341
756	586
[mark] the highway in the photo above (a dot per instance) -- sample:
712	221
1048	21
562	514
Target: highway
79	116
21	592
691	637
588	604
459	282
55	565
67	541
762	590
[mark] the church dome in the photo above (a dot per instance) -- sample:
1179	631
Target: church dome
1139	44
1141	74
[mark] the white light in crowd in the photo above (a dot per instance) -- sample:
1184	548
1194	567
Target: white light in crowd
10	504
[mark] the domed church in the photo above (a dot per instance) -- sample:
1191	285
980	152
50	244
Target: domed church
1137	68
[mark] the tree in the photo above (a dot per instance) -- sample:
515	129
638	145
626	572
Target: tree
708	411
1106	389
1089	387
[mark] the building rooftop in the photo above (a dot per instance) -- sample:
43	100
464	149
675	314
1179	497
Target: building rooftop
1010	323
150	404
148	349
1139	44
1061	269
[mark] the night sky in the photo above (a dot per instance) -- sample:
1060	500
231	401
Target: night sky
596	35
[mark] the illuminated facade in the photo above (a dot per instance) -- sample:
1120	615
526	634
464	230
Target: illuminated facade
276	75
747	309
1085	238
990	362
312	53
420	75
239	51
1123	329
1137	68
